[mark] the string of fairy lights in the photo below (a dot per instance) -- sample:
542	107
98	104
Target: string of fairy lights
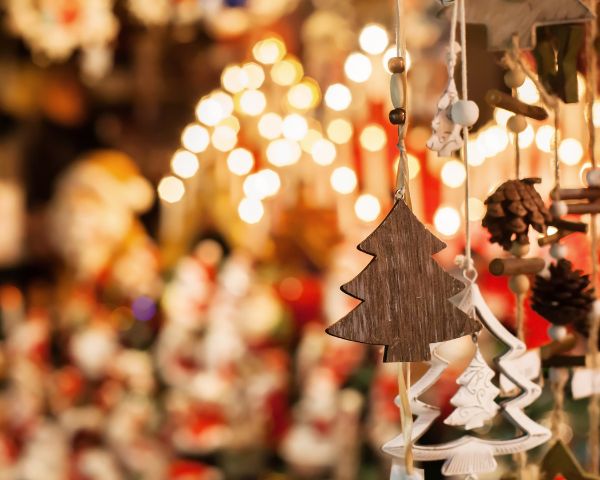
266	120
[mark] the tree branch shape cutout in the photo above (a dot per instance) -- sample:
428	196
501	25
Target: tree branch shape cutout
405	293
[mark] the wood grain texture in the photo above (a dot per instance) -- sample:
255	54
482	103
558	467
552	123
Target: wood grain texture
496	98
504	18
516	266
560	461
404	292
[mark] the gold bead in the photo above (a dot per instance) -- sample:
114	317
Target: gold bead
396	65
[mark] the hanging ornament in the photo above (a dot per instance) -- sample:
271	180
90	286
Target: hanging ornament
397	295
503	19
512	209
565	296
470	455
446	136
474	400
54	29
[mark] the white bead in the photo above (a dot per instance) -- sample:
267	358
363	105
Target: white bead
465	113
557	332
514	78
558	251
559	209
397	90
593	177
516	123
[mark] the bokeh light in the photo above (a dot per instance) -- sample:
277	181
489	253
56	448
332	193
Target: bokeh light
446	221
343	180
339	131
234	79
255	75
251	210
294	127
304	95
195	138
270	125
262	184
544	138
570	151
367	207
171	189
209	111
309	140
225	101
338	97
323	152
526	137
283	152
269	50
453	174
253	102
287	72
373	39
528	92
373	138
184	164
358	67
224	138
240	161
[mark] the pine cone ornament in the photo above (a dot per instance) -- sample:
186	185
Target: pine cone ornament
511	209
565	296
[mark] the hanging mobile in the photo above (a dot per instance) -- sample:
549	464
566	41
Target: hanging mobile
471	455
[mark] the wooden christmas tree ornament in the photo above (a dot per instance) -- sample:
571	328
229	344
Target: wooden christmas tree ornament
404	292
505	18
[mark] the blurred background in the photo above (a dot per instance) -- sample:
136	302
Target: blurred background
182	187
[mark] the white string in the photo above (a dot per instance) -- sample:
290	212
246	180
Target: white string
402	190
465	131
402	193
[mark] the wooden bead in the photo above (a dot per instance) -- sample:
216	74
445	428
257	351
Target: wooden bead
559	209
593	177
465	113
519	249
516	123
397	90
519	284
558	251
396	65
514	78
397	116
